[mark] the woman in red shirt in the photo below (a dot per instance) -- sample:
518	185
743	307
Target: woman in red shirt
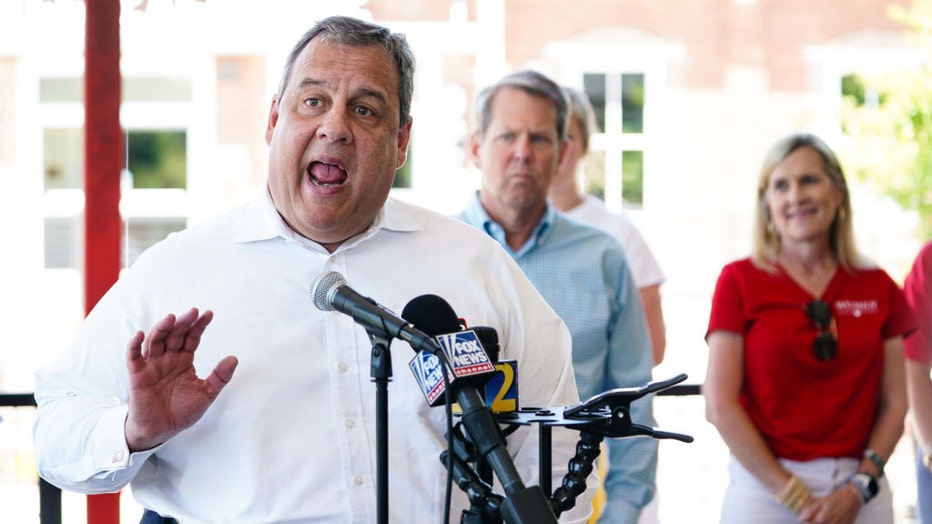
918	289
805	381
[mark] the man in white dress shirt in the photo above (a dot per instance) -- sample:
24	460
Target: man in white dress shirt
283	427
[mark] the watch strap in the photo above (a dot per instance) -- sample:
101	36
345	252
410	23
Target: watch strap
866	485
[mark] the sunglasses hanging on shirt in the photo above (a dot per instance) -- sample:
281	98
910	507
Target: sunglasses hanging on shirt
825	345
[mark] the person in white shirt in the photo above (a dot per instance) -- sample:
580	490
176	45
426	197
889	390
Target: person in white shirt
566	196
283	427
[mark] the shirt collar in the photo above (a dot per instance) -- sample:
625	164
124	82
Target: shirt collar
476	214
261	221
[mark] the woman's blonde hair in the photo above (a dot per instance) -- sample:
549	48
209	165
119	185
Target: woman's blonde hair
581	110
841	236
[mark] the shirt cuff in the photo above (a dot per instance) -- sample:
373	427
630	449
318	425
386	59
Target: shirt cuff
110	451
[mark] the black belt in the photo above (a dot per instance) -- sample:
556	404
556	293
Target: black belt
151	517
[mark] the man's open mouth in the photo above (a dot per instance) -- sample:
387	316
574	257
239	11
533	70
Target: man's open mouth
326	175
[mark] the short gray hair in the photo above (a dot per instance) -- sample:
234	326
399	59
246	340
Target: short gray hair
351	31
530	82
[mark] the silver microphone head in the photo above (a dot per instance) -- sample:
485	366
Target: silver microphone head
323	287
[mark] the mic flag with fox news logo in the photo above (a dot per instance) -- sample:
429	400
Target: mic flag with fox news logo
468	361
428	371
465	353
500	391
466	357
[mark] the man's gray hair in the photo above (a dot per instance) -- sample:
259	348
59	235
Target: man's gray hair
345	30
531	82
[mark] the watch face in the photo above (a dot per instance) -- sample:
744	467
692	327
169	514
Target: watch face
868	482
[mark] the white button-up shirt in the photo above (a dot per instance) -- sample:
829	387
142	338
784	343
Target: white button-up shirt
292	438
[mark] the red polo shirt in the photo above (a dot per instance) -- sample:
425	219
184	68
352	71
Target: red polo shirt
806	408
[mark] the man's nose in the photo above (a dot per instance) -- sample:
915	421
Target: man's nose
334	125
522	147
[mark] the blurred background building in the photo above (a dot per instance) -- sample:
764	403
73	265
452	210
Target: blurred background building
689	95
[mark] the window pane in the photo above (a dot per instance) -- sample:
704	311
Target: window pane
142	233
632	177
853	87
156	89
594	174
63	237
157	159
60	90
63	158
632	103
594	86
860	92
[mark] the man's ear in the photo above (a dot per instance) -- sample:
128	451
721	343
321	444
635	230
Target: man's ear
563	154
272	121
404	139
475	141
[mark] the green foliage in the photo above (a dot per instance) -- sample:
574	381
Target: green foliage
632	176
891	133
157	159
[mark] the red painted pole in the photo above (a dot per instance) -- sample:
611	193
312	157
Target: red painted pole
103	161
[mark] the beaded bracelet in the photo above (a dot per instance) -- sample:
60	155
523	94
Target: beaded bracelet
875	458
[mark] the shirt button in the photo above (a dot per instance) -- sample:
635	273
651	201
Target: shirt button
342	367
350	423
357	480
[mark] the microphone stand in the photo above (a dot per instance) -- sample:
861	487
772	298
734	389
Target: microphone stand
522	504
607	414
381	373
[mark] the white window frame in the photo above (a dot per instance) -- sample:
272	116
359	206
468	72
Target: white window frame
614	52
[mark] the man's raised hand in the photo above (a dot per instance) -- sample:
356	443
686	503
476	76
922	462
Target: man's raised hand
166	396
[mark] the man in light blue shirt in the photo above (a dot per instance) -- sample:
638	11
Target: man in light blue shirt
580	271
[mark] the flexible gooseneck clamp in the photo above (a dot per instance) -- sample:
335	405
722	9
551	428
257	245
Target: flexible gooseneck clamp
606	414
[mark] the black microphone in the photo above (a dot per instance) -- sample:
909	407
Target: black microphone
522	504
464	353
331	293
488	336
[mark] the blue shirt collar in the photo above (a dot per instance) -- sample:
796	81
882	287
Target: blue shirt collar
476	215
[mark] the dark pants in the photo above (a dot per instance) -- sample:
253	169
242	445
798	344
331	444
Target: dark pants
151	517
923	490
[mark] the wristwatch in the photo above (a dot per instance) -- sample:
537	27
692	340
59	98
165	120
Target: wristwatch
866	485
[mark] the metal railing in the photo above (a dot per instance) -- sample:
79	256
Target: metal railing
50	496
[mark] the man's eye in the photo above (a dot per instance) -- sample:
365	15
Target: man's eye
363	111
312	102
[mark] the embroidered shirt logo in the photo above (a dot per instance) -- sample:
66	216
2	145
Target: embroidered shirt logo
856	308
